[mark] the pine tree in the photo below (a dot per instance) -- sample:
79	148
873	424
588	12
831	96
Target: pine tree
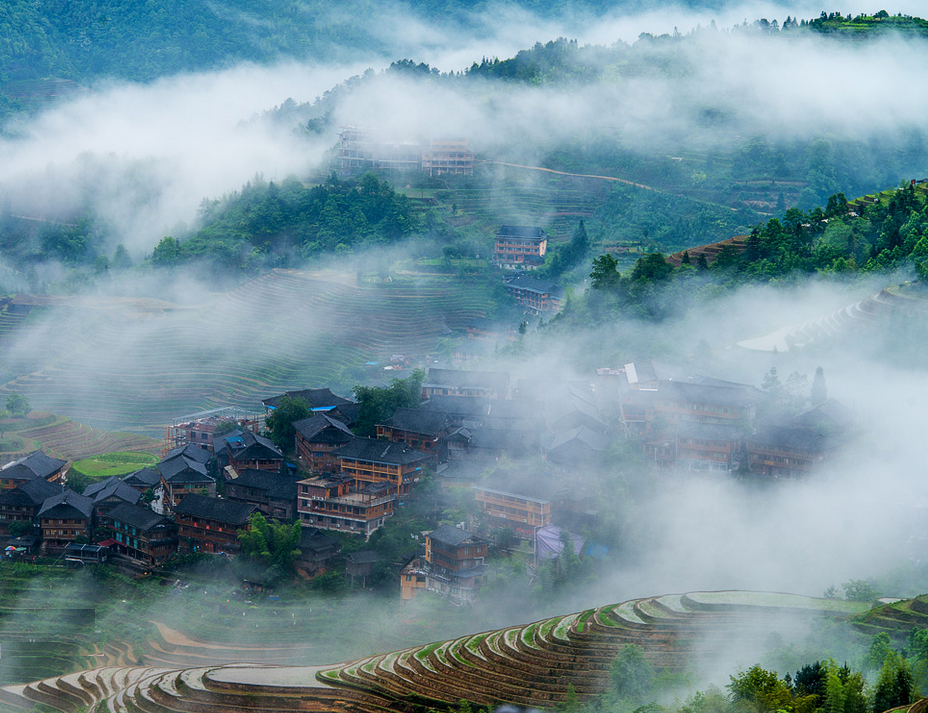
819	390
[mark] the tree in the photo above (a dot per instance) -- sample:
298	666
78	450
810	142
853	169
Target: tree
859	590
895	686
631	674
18	405
166	252
760	690
148	497
280	422
819	390
19	528
78	481
605	274
275	545
377	403
121	259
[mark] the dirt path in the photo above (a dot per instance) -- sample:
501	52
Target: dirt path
579	175
172	636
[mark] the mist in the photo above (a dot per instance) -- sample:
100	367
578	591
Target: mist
143	157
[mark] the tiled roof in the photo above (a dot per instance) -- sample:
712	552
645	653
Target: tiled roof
224	511
323	429
379	451
34	465
32	492
137	516
60	505
454	536
427	423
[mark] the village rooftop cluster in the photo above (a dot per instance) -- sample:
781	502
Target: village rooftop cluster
534	454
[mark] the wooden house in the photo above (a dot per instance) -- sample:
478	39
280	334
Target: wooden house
273	493
359	566
64	518
20	504
341	505
185	471
250	450
423	430
456	382
108	493
34	465
143	480
369	460
317	551
455	563
316	438
207	524
142	535
523	512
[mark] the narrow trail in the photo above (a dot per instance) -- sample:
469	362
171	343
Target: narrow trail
607	178
579	175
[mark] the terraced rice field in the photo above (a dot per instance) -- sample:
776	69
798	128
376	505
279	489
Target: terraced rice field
61	437
285	330
530	665
555	203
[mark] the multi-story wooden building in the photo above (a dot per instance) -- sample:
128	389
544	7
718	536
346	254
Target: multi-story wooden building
250	450
183	472
691	446
34	465
316	438
317	550
142	535
504	508
358	512
273	493
208	524
20	504
64	518
536	296
455	382
520	246
423	430
370	460
143	480
453	566
786	452
107	494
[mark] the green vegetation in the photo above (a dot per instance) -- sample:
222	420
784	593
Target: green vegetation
379	403
18	405
272	545
843	240
109	464
280	422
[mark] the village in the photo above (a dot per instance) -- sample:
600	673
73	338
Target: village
531	460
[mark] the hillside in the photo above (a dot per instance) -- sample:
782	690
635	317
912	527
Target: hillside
287	329
534	665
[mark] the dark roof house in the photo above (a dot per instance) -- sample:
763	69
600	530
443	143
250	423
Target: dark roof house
66	505
34	465
322	428
224	511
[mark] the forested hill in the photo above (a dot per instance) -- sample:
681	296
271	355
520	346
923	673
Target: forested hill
79	42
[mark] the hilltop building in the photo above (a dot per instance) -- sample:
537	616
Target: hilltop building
520	246
361	149
536	296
